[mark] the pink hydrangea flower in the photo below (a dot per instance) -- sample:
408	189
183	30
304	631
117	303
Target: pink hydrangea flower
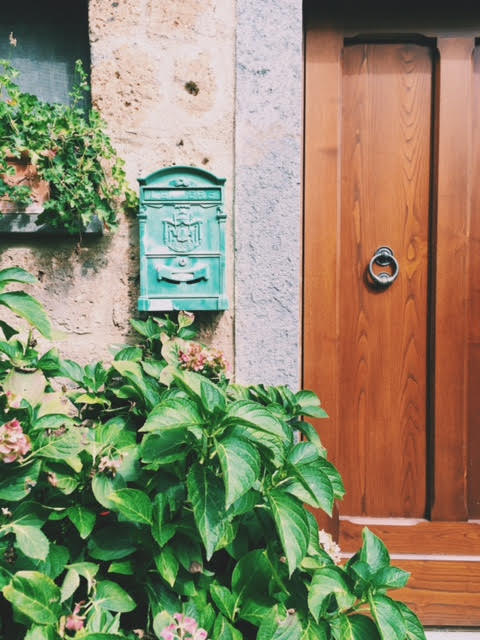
185	629
74	621
13	400
169	633
210	362
109	465
13	442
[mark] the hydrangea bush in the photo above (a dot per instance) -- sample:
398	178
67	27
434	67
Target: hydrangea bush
153	498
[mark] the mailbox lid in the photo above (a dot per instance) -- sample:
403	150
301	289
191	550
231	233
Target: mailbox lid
184	181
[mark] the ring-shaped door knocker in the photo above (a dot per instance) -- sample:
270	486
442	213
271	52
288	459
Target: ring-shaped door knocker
383	257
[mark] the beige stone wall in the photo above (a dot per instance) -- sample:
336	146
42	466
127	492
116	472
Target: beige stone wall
163	79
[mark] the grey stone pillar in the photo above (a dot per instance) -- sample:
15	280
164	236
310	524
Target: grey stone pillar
268	194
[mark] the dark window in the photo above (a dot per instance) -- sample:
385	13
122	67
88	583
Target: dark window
51	35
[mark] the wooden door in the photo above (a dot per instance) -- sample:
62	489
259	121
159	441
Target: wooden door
392	140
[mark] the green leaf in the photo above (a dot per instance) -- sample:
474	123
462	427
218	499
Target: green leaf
72	370
53	421
292	526
190	381
8	331
70	584
66	479
207	496
18	483
389	618
240	464
163	448
62	447
153	368
50	361
314	631
103	486
273	447
224	630
167	565
287	627
54	565
334	477
325	583
414	626
31	541
303	453
312	436
28	386
112	543
42	633
269	624
356	627
162	532
174	414
23	305
83	519
161	621
87	570
251	414
101	636
124	568
224	599
35	596
110	595
129	353
390	578
311	485
29	513
133	372
133	504
314	412
252	575
213	399
306	398
373	551
254	610
15	274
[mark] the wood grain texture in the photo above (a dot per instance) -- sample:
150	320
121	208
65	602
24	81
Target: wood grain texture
385	201
473	400
415	537
442	593
451	313
322	131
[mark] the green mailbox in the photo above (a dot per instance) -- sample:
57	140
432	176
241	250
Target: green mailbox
182	241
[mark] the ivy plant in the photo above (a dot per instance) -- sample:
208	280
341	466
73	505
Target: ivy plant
153	498
70	150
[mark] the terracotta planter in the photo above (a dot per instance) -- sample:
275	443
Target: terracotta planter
25	175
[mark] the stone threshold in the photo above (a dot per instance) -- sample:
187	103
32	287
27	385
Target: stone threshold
453	634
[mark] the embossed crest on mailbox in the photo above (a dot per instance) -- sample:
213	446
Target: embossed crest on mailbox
182	241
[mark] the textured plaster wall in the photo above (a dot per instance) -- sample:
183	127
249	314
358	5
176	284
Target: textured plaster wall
268	170
143	54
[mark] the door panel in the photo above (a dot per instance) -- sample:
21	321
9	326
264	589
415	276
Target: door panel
392	157
385	165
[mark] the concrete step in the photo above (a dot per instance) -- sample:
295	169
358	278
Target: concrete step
453	634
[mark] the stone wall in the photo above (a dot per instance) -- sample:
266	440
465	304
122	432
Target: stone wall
163	78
